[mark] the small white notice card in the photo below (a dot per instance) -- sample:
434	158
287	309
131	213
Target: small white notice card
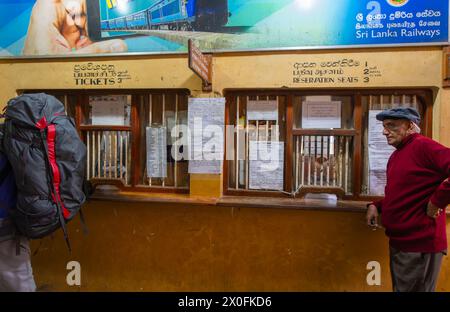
156	152
108	110
266	165
262	110
321	114
206	118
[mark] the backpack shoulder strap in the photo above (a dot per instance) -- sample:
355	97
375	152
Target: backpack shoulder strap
5	172
3	175
54	191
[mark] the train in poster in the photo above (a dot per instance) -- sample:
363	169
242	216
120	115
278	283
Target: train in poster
184	15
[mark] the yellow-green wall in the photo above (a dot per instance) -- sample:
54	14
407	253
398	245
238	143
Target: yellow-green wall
175	247
187	247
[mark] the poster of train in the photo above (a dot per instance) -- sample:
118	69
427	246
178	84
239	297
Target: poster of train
42	28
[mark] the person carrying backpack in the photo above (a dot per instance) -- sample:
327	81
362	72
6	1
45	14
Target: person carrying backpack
16	273
43	183
49	162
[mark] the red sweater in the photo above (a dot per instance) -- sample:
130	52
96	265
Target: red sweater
418	171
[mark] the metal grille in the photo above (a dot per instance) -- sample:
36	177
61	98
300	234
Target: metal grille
377	102
323	161
247	130
170	112
108	155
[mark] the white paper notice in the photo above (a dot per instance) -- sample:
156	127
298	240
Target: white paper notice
377	182
266	166
262	110
321	115
108	110
206	118
156	152
379	153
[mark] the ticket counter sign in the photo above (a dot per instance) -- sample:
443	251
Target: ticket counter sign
200	64
43	28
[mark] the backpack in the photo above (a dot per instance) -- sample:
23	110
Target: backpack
48	159
7	187
8	196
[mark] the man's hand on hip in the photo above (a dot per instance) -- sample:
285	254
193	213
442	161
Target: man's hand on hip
433	211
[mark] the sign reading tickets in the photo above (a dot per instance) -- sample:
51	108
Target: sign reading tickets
81	27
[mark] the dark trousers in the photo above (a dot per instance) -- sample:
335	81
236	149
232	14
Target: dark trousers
414	271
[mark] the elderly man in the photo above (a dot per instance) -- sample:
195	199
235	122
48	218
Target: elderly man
413	209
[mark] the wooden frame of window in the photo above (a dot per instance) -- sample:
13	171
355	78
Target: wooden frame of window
446	67
78	112
423	95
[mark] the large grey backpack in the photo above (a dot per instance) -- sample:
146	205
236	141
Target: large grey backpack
48	159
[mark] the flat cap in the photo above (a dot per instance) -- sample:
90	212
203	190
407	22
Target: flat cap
400	113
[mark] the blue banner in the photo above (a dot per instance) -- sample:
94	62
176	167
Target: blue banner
77	27
399	21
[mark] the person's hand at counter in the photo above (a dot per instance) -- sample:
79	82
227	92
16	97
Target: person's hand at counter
372	216
60	27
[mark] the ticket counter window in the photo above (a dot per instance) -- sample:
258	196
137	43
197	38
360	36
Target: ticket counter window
330	141
323	135
106	129
131	136
259	127
160	117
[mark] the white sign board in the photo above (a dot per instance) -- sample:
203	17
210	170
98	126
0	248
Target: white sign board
108	110
262	110
321	114
206	119
266	166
